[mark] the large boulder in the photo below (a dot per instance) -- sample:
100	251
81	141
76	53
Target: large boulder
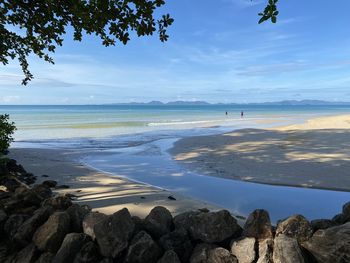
295	226
169	257
25	232
244	250
265	251
59	202
258	225
114	232
330	245
210	227
13	223
184	220
50	235
89	222
287	250
321	224
143	249
77	213
179	242
27	255
159	222
208	253
88	254
70	247
45	258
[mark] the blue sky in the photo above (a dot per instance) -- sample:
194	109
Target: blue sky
216	52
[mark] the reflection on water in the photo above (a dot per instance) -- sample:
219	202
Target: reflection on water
151	164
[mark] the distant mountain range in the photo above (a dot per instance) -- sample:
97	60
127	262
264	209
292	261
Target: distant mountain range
284	102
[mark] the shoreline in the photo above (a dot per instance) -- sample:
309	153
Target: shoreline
316	146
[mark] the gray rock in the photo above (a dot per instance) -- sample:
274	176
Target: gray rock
258	225
212	227
3	218
287	250
346	209
331	245
143	249
114	232
88	254
184	220
45	258
295	226
244	250
70	247
207	253
265	251
77	213
321	224
25	232
43	191
60	202
50	235
50	183
169	257
179	242
13	223
27	255
90	220
159	222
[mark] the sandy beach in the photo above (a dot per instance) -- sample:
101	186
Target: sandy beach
314	154
101	191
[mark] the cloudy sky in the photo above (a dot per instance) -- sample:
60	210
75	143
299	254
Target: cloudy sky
216	52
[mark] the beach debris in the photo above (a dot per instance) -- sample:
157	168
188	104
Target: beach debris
258	225
114	232
50	235
287	250
244	249
143	249
142	197
159	222
170	197
212	253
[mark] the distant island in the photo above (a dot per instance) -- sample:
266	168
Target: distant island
282	103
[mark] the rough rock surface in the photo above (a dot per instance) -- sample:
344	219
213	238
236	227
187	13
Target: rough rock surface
27	255
143	249
13	223
50	235
330	245
244	250
88	254
207	253
169	257
258	225
114	232
159	222
287	250
265	251
321	224
295	226
90	220
77	213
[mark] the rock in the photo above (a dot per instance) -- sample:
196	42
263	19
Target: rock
331	245
295	226
159	222
49	183
114	232
77	213
139	226
90	220
13	223
169	257
244	250
258	225
42	190
3	218
265	251
50	235
321	224
25	232
44	175
346	209
45	258
206	253
339	219
179	242
63	186
27	255
59	202
70	247
143	249
287	250
211	227
170	197
184	220
4	250
88	254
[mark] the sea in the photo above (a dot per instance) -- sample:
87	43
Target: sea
132	141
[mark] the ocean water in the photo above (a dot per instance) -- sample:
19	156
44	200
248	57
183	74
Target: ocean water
132	142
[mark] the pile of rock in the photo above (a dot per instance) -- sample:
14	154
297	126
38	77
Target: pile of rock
36	226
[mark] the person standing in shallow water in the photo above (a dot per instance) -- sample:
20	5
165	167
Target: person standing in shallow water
242	113
226	113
